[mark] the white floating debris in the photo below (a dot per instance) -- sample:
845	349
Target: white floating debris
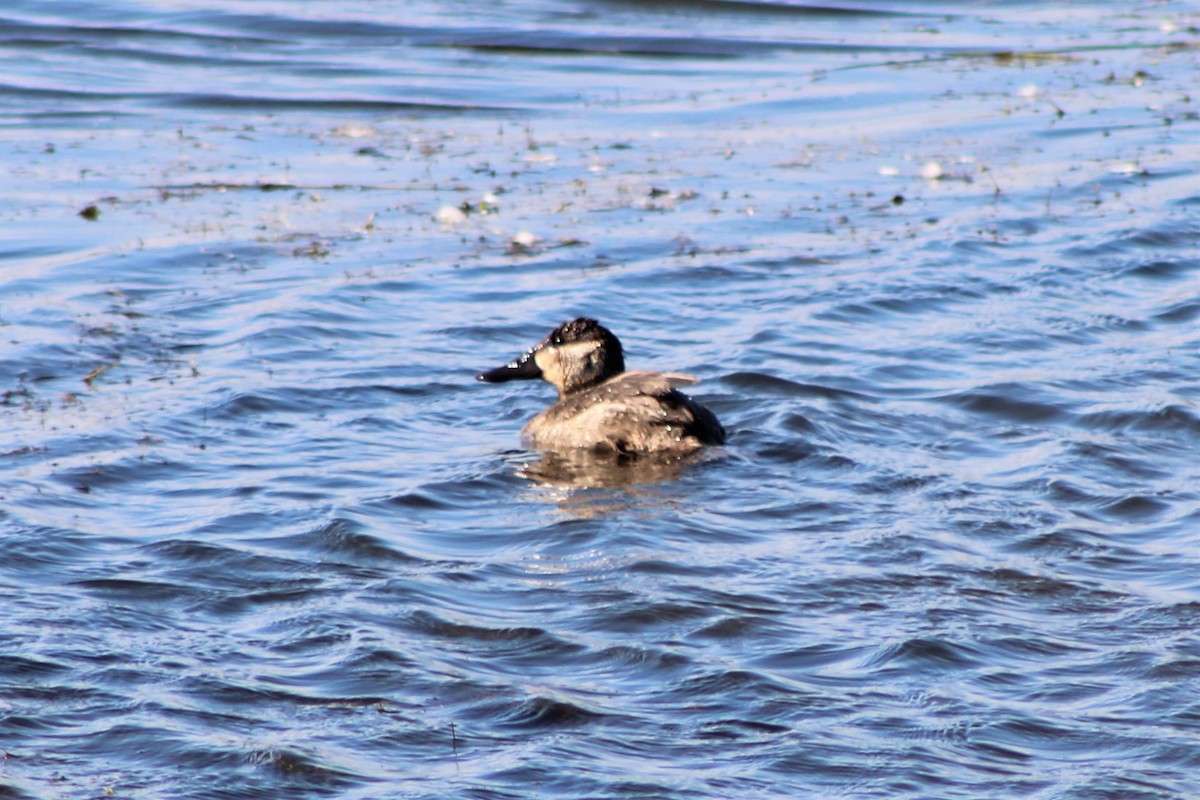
526	239
932	171
450	215
540	158
1128	168
353	131
524	243
1029	90
889	172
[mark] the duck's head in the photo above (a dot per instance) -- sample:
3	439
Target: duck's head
574	356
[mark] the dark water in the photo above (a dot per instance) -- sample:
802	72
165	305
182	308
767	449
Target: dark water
263	535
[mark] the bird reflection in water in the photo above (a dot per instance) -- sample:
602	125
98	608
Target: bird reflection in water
581	469
584	484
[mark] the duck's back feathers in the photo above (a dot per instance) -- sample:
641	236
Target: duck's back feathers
676	379
631	412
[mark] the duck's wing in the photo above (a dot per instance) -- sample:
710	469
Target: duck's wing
630	413
646	413
655	384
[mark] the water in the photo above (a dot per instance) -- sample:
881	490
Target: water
264	535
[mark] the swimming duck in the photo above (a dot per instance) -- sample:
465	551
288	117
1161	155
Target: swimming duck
601	406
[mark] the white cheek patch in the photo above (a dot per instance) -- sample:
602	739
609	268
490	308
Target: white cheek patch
546	358
555	357
564	363
575	351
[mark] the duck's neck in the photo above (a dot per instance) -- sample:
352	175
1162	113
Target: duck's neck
570	388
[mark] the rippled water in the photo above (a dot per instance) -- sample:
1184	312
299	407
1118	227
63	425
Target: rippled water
263	535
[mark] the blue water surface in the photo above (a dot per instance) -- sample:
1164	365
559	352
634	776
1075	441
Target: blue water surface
264	535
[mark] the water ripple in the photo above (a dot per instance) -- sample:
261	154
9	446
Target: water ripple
265	535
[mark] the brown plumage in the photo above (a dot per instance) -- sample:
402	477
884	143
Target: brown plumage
601	406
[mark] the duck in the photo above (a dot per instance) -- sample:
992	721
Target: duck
602	407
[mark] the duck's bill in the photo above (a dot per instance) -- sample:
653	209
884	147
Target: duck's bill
523	368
